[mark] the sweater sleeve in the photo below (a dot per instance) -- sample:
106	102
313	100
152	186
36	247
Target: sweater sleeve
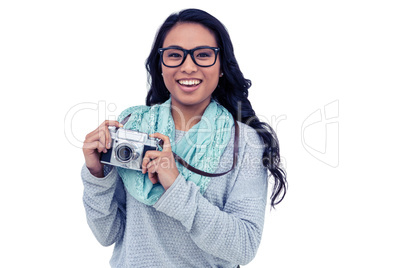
104	202
233	233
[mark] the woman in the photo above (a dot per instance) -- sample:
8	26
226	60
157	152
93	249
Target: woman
166	215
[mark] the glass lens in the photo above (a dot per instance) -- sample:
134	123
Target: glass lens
124	153
173	57
204	56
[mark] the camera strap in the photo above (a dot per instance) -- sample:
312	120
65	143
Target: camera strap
206	174
200	172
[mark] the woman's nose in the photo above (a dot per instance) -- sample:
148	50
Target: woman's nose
188	65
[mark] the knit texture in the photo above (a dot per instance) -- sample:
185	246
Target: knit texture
184	228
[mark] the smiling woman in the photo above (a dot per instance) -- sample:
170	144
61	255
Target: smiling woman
190	86
165	215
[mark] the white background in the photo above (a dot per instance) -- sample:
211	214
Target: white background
60	59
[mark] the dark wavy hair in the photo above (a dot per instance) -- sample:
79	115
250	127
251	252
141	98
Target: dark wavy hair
231	92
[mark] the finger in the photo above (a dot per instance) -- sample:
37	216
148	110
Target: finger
95	145
90	145
94	135
104	134
94	142
108	123
148	166
145	161
151	154
101	147
107	138
112	123
152	165
144	164
148	157
152	169
153	177
102	139
166	141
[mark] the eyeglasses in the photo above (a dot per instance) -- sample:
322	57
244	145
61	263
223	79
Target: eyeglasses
201	56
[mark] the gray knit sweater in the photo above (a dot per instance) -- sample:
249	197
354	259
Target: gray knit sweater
221	228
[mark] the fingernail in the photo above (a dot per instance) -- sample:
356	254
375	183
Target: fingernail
121	125
108	145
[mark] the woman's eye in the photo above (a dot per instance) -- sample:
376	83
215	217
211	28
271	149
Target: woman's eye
174	55
202	55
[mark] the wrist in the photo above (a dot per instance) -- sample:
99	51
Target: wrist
171	180
97	172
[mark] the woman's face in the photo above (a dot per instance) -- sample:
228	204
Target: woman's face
191	86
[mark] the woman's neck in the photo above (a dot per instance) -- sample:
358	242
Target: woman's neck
185	117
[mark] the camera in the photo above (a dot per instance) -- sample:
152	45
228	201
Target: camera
128	148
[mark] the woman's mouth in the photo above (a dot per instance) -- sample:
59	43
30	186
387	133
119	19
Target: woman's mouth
189	85
189	82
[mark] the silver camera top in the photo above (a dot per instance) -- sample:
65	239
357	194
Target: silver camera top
132	135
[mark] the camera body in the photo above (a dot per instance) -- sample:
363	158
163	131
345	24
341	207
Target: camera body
128	148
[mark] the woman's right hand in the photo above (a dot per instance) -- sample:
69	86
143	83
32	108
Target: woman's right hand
95	143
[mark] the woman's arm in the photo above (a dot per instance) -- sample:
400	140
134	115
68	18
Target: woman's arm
233	233
104	198
104	202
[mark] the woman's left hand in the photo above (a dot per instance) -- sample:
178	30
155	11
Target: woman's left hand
160	165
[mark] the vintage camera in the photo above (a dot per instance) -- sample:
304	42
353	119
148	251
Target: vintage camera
128	148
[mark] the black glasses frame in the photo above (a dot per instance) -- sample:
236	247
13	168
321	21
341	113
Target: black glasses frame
186	52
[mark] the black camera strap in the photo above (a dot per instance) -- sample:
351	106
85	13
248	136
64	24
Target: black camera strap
200	172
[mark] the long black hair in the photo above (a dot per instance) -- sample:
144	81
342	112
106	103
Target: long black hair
231	92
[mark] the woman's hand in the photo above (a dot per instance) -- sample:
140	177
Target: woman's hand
160	165
96	142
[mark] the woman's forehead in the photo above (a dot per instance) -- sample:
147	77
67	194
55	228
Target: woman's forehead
189	35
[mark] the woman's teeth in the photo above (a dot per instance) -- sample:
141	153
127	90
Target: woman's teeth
189	82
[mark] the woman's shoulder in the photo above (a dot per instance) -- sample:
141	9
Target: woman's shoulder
133	109
248	134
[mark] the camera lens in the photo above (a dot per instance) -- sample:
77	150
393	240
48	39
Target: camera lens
124	153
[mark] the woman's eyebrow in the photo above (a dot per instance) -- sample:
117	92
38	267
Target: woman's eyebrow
173	46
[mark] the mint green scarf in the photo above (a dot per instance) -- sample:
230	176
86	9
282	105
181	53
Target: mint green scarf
201	147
